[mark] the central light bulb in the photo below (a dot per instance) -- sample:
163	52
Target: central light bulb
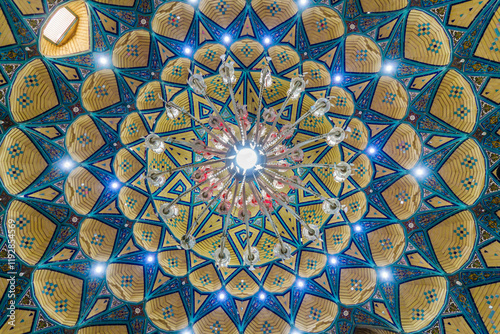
246	158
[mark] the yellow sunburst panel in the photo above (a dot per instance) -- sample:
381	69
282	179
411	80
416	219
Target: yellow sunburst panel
208	246
126	281
176	71
273	13
362	55
356	285
131	202
267	320
218	321
247	51
404	146
223	13
341	102
6	35
97	239
491	91
403	197
490	254
83	138
173	262
337	238
315	314
465	171
32	92
489	42
23	322
104	329
100	90
178	225
126	165
149	95
316	125
209	54
387	244
78	43
20	161
123	3
167	312
358	137
242	285
463	14
390	98
132	49
455	103
311	263
356	206
418	297
364	170
322	24
55	292
132	128
317	74
33	229
216	89
274	93
457	324
283	57
278	280
205	278
487	302
378	6
173	20
82	190
453	240
147	236
426	40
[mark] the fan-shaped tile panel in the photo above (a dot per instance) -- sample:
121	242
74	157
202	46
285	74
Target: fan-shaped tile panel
273	13
59	295
209	55
356	206
176	71
378	6
247	51
322	24
390	98
317	74
173	20
33	231
337	238
487	303
215	321
32	92
131	202
387	244
420	301
168	312
6	36
20	161
341	102
100	90
283	57
455	102
242	285
104	329
82	190
24	320
403	197
311	263
97	239
126	165
222	13
315	314
425	40
356	285
278	280
83	138
362	55
363	172
150	96
132	49
173	262
453	240
126	281
358	135
205	279
465	171
123	3
132	128
267	321
488	45
147	236
78	42
404	146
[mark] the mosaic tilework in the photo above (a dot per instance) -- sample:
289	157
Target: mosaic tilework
132	50
461	231
127	280
31	81
278	281
454	252
97	239
21	222
417	314
462	112
15	150
14	172
168	312
469	182
61	306
356	285
26	242
24	100
101	91
435	46
274	8
49	288
430	296
315	314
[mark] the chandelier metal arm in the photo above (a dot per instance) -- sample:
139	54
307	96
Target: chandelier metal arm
258	114
243	132
214	109
226	220
294	184
299	145
300	166
169	140
276	119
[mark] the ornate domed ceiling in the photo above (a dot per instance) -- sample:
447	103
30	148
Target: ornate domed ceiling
415	86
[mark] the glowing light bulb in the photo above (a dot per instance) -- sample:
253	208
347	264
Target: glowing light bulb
303	2
300	283
187	50
103	60
246	158
222	296
227	39
419	171
115	185
388	68
333	260
68	164
357	228
338	78
99	269
384	274
372	150
150	258
267	40
262	296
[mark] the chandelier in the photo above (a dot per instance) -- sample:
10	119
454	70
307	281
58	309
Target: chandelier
248	165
